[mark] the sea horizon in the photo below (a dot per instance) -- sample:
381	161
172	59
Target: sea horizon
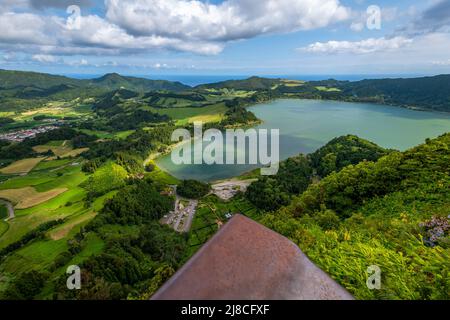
195	80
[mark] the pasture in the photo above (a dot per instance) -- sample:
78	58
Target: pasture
184	115
21	166
28	197
61	149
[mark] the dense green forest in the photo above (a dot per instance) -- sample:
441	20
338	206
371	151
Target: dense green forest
392	213
139	253
423	93
100	201
192	189
297	173
24	82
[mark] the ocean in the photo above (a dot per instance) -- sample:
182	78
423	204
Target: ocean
195	80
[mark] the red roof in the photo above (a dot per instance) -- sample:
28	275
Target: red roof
247	261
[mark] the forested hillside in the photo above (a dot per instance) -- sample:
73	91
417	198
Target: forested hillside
392	213
297	173
253	83
114	81
24	85
431	93
77	165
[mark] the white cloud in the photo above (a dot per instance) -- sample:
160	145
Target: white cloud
28	32
415	57
357	26
161	66
23	28
230	20
44	58
78	63
8	5
359	47
149	25
360	18
442	63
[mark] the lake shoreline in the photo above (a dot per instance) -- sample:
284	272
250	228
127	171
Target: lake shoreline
308	124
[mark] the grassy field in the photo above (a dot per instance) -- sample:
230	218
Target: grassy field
57	205
3	215
108	135
28	197
328	89
61	149
21	166
52	164
58	150
56	109
293	83
161	176
41	254
186	115
3	227
92	245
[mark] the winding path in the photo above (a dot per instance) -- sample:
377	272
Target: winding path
10	209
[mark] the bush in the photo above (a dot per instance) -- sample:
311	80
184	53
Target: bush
135	204
193	189
109	177
26	287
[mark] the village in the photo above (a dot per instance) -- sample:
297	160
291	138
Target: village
19	136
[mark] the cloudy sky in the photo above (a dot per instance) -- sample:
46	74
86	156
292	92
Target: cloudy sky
236	37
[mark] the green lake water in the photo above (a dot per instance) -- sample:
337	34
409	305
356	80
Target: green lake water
306	125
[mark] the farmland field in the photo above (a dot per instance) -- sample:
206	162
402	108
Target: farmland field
28	197
186	115
21	166
60	149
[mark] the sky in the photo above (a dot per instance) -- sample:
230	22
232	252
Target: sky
226	37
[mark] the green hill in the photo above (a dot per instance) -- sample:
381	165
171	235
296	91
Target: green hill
295	174
426	92
250	84
32	84
430	93
343	151
22	79
392	213
115	81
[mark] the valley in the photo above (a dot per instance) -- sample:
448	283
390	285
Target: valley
362	180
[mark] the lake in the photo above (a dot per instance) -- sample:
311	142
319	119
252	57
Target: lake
306	125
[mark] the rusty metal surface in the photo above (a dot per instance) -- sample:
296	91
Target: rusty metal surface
247	261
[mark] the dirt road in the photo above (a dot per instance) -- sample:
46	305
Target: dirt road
10	209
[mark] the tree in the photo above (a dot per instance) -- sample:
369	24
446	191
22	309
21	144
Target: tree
193	189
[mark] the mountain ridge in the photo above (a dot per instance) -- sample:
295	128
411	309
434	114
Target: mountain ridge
426	93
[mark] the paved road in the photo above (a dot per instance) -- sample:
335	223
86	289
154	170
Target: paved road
192	207
10	209
181	218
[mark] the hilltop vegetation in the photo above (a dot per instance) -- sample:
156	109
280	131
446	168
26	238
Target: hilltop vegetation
88	193
21	90
115	81
426	93
250	84
192	189
297	173
343	151
392	213
24	82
